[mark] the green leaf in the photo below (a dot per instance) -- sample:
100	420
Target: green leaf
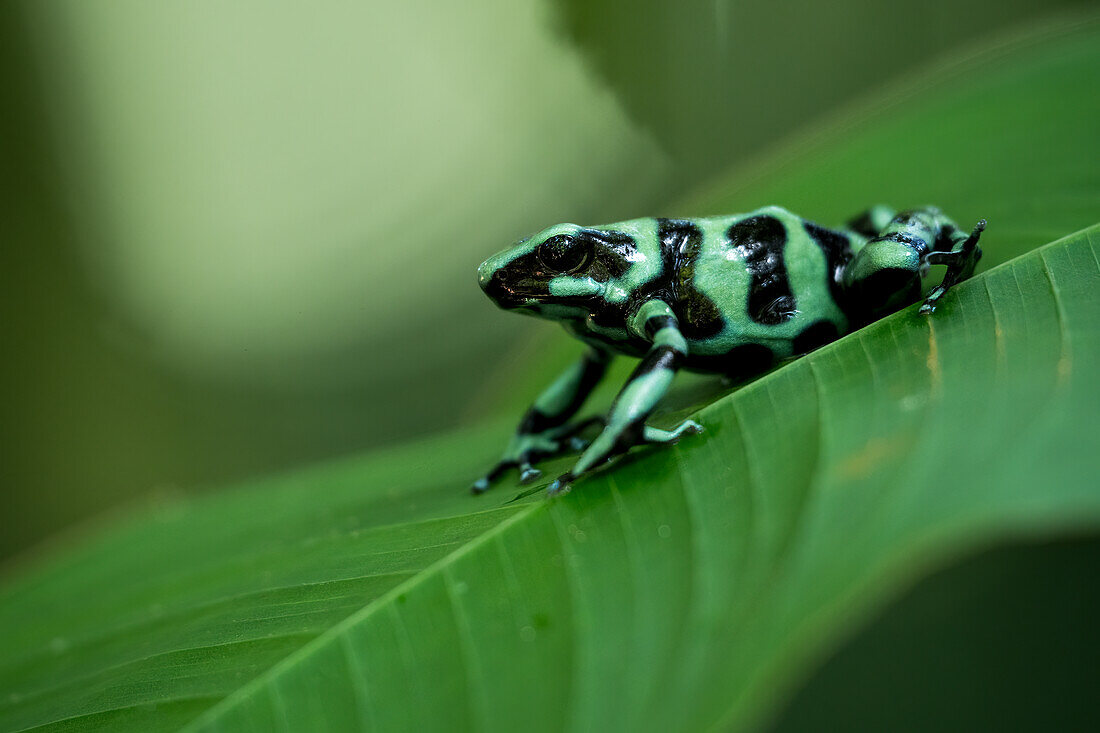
689	587
685	588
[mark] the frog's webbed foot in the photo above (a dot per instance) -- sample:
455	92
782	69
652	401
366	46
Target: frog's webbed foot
960	260
527	449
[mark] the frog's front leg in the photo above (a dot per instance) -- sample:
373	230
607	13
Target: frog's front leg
639	396
545	429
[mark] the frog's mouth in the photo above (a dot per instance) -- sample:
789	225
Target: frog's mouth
510	289
508	297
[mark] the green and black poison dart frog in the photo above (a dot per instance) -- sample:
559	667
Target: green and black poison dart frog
725	294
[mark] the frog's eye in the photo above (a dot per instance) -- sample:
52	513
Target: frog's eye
563	253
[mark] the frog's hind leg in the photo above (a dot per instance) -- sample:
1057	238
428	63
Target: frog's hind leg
885	274
961	259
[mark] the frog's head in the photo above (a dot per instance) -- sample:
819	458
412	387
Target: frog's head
564	267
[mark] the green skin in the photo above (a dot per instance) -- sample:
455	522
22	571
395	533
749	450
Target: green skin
728	295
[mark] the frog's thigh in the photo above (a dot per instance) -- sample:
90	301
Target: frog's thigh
884	274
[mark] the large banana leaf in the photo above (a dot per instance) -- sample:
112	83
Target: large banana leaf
687	588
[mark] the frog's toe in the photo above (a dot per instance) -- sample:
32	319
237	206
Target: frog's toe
561	485
528	473
689	427
929	305
656	435
482	484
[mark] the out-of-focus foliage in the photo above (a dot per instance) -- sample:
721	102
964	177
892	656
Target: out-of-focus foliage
716	79
242	236
261	183
248	233
376	591
1005	640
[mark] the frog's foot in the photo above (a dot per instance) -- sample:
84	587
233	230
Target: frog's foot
561	485
564	483
528	473
960	266
527	449
656	435
482	484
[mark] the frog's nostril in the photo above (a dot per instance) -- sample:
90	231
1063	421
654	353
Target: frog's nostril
497	289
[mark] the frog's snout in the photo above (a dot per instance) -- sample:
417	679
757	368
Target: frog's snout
489	279
484	275
492	283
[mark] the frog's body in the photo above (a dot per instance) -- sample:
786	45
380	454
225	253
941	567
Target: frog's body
726	294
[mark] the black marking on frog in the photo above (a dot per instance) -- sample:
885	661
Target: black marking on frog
863	224
915	243
743	361
873	295
681	243
838	253
524	277
654	324
760	241
613	252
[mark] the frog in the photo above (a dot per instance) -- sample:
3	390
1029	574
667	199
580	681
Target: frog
733	295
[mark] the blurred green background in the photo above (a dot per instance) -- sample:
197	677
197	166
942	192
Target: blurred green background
240	237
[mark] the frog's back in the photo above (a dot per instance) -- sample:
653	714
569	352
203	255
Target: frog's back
751	288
